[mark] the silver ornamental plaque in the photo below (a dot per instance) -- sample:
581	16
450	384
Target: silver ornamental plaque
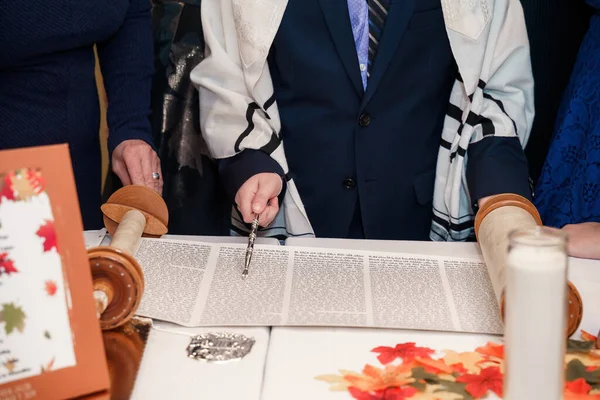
219	347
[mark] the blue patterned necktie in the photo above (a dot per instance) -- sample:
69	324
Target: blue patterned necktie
378	10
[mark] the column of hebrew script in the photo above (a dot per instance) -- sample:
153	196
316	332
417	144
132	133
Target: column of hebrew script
473	295
173	272
256	300
408	292
328	288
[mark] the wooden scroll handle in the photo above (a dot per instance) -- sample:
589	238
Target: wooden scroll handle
575	305
130	213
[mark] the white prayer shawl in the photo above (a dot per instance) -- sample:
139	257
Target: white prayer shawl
489	43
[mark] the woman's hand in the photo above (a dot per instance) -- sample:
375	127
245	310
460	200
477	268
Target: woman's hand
135	163
584	240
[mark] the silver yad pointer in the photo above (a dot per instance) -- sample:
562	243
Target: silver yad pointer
250	247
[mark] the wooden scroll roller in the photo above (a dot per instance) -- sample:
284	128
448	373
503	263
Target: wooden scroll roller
501	215
130	213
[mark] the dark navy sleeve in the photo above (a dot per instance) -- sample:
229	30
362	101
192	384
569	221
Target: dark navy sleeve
127	64
497	165
238	169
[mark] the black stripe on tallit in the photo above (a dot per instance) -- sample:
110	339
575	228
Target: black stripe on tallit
270	147
252	107
501	106
451	226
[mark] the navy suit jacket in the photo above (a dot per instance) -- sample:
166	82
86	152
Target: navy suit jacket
367	159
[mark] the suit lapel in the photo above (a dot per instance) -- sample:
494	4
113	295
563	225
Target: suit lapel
340	27
397	20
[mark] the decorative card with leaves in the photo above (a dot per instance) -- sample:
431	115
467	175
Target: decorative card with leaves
35	331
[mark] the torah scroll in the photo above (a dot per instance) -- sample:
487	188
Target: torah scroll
493	224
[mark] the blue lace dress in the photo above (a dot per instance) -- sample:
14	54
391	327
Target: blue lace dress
568	190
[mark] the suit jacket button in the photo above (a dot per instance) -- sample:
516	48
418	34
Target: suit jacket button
349	183
364	120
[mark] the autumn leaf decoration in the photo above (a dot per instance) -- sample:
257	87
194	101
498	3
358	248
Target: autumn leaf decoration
406	351
51	288
10	364
13	318
48	234
6	188
411	372
21	185
48	366
7	266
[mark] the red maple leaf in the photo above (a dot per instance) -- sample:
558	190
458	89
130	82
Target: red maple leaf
48	233
51	288
36	181
578	386
460	368
6	188
478	385
7	266
392	393
406	351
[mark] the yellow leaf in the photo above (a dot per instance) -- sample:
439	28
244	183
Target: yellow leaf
10	364
492	362
337	382
468	360
330	378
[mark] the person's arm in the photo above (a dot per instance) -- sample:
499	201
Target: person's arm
228	110
236	170
126	61
496	162
584	240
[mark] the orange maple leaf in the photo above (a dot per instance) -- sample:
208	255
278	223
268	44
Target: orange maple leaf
7	266
492	350
392	393
587	337
48	233
406	351
433	366
478	385
51	288
373	378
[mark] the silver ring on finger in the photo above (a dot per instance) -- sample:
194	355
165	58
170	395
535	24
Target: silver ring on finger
155	175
